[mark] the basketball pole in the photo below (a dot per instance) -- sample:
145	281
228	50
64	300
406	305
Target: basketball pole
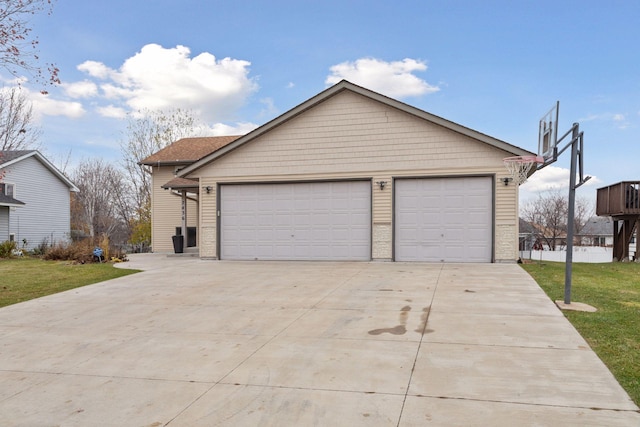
576	160
576	157
571	214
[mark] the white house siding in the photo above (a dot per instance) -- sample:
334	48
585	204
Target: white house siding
166	213
46	213
349	136
4	223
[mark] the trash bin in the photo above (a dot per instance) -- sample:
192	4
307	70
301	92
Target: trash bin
178	244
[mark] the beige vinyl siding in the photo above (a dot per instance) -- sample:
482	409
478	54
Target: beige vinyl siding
350	136
382	199
340	136
506	221
208	219
166	213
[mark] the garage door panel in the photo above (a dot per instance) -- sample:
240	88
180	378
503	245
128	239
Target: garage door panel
452	251
362	236
429	217
476	235
449	202
444	219
454	236
296	221
265	235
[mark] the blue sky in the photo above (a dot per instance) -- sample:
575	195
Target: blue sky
493	66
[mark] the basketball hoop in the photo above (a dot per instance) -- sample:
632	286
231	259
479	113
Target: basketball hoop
519	167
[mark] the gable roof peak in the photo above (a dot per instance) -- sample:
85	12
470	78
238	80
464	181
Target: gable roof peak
9	157
339	87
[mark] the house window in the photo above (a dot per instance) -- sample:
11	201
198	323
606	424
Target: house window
599	241
7	189
12	237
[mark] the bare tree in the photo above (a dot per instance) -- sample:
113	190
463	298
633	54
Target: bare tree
17	129
548	215
148	132
583	211
94	209
19	48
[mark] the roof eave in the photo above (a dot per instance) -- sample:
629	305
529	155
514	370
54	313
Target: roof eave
167	163
179	187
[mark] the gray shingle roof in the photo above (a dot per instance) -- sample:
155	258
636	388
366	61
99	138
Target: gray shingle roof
7	156
598	226
8	200
188	150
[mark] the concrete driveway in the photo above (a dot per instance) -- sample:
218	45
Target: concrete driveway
205	343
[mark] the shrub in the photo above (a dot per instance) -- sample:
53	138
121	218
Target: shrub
81	252
103	243
6	249
42	248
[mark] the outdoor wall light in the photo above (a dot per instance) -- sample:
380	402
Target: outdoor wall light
381	184
208	188
506	180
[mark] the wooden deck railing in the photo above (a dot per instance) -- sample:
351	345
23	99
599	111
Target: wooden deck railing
619	199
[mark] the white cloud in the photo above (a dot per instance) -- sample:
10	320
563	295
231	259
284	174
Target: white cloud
395	79
95	69
619	120
269	110
112	111
551	178
157	78
47	106
83	89
221	129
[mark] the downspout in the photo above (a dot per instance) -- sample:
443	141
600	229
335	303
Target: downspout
184	216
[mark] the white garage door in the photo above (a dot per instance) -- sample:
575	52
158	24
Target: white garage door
296	221
444	219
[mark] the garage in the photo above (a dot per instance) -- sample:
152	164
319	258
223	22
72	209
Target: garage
296	221
444	219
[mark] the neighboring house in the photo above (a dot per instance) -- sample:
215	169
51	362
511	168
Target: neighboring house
598	231
35	200
351	174
543	238
166	201
528	236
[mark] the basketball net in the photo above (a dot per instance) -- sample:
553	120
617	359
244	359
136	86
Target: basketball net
519	167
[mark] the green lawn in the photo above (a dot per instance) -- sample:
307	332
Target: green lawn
614	330
28	278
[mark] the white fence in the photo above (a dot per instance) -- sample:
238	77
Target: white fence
580	254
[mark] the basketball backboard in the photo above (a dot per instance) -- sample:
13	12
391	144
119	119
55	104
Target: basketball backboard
548	135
